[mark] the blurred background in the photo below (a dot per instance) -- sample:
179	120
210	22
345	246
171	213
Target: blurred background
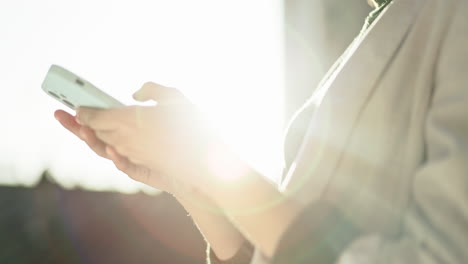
224	55
247	64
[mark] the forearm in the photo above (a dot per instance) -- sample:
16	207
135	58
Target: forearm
224	238
253	204
279	227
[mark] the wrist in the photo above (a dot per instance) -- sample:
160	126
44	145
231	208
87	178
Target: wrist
196	200
226	174
238	189
219	167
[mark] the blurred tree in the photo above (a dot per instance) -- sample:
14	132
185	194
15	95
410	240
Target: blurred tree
49	224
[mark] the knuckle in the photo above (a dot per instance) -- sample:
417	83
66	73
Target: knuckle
122	166
95	146
92	139
101	136
122	150
149	84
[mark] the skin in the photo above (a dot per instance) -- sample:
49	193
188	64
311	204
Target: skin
224	238
169	147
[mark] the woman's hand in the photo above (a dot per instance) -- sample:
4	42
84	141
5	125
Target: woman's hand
136	172
169	138
223	237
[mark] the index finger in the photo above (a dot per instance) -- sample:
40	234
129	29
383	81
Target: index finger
68	121
101	119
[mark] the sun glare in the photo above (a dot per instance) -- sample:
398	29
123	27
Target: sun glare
226	56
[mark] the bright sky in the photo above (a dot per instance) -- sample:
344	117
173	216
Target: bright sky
224	55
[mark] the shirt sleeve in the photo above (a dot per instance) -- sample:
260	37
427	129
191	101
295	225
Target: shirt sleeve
243	255
318	235
435	226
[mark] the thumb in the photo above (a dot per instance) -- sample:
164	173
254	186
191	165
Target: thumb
158	93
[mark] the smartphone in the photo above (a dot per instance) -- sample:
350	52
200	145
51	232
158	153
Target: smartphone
74	91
